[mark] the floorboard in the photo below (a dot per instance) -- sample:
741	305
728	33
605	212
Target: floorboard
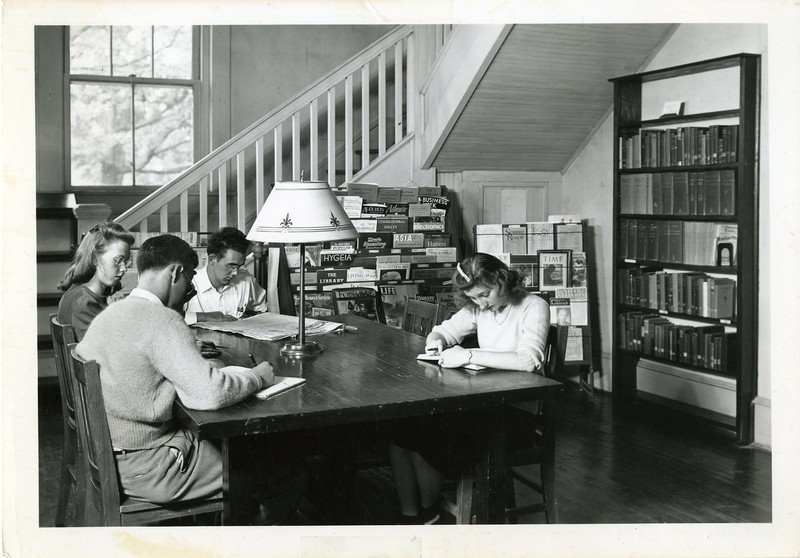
646	465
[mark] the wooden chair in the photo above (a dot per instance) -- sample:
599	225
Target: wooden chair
419	317
537	449
69	481
104	504
360	301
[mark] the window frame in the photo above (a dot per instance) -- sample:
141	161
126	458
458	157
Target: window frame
199	102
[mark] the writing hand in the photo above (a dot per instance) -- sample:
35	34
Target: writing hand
434	346
265	372
207	348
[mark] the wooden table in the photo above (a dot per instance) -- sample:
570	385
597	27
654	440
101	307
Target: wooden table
361	377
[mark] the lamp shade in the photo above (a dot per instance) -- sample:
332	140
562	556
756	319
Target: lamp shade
301	212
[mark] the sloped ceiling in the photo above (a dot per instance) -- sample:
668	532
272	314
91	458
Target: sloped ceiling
542	95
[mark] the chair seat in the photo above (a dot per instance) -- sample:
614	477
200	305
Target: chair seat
133	505
139	512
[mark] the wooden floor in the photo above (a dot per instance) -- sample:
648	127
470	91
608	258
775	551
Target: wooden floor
649	465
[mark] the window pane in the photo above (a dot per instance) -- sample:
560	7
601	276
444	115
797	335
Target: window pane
89	49
164	139
132	50
173	51
100	134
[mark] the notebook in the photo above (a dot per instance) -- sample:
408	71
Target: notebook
474	368
282	383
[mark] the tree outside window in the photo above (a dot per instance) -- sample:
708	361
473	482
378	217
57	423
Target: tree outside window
132	95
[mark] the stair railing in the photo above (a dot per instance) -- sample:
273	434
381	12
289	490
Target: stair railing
394	53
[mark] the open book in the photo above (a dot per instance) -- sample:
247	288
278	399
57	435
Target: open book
435	358
282	383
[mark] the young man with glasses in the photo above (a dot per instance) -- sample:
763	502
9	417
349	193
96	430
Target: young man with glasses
226	291
148	357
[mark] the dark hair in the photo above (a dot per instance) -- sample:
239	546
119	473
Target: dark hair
94	243
227	238
485	269
158	252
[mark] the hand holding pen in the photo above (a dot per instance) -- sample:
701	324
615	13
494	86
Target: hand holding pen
263	371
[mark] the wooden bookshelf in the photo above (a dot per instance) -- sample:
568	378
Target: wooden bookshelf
731	145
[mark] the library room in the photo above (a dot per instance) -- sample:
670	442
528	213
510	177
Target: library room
290	263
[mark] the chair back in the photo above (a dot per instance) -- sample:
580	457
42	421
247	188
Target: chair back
360	301
63	335
102	486
419	317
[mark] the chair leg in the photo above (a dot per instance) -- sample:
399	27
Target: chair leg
548	487
464	498
65	487
511	497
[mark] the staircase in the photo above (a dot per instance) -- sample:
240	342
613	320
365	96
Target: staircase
354	124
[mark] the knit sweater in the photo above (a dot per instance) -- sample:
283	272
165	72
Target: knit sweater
522	328
147	356
78	307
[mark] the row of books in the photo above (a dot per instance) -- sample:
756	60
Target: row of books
710	192
705	346
528	238
361	300
373	193
695	294
682	146
680	242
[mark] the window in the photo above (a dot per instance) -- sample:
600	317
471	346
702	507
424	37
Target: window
132	95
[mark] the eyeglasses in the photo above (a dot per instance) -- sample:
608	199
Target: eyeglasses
121	261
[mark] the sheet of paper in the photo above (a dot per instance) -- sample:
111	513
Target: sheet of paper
271	327
282	383
435	358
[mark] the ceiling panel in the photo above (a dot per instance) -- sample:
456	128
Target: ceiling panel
543	94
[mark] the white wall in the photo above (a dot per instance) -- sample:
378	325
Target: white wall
591	173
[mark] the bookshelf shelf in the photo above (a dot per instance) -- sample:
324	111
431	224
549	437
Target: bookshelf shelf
684	118
653	265
671	314
702	218
683	365
680	168
731	135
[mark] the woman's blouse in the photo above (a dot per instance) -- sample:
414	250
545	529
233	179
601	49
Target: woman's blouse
520	328
78	307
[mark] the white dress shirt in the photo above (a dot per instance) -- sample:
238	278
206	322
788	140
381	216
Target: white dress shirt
241	294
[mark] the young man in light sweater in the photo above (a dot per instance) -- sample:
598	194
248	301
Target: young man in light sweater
147	357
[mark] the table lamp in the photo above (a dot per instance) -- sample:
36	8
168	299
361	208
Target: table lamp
301	213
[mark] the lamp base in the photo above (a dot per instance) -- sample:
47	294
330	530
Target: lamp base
295	349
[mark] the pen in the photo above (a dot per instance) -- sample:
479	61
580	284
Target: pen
252	360
351	329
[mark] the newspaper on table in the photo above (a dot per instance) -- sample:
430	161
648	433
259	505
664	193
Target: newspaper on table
271	327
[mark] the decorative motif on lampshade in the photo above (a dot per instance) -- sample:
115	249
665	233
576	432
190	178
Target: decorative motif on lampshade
301	212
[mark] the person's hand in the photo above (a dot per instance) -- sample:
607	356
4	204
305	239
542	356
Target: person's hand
264	371
435	344
454	357
207	348
214	317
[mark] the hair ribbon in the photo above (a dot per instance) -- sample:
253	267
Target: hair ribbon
461	272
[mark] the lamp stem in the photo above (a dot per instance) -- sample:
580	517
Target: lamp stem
302	335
